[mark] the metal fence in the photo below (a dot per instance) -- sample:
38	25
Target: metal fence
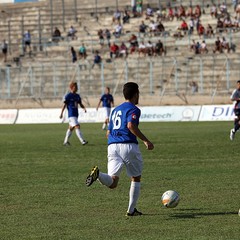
156	76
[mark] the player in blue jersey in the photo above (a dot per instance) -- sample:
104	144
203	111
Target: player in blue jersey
71	101
123	149
107	102
236	98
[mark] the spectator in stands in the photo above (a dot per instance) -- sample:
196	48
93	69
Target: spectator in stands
175	13
149	12
126	17
197	48
142	49
149	48
133	43
194	87
190	11
56	35
116	16
209	31
139	4
197	12
74	55
227	22
219	25
218	46
27	41
82	51
114	50
191	25
225	44
142	28
72	32
204	48
107	34
235	23
152	27
123	51
201	30
118	30
192	47
5	50
223	9
213	11
159	49
97	60
182	12
184	26
100	37
134	11
170	14
238	11
160	27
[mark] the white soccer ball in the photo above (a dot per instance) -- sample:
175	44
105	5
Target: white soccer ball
170	199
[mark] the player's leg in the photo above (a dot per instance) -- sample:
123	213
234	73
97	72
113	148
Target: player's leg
134	165
236	124
115	165
67	136
73	121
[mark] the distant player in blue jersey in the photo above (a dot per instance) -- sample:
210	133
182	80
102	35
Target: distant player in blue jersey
71	101
123	149
107	102
236	98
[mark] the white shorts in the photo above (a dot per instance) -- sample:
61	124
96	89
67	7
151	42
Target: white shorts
128	154
106	111
73	121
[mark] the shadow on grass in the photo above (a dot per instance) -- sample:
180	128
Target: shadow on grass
200	214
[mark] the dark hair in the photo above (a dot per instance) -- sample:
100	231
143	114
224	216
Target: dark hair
129	90
238	81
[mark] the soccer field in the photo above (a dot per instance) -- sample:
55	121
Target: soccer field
43	193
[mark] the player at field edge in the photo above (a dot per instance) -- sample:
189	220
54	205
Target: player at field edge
235	97
71	101
107	102
123	147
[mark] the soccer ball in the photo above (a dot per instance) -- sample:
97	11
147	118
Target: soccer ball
170	199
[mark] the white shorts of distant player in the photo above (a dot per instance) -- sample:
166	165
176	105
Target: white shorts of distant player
73	121
106	111
124	154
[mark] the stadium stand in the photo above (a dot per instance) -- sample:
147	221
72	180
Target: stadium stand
45	71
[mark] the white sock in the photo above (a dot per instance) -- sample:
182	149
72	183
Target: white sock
68	135
104	126
105	179
79	135
133	195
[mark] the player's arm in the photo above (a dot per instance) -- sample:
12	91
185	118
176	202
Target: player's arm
63	108
99	104
235	96
82	106
136	131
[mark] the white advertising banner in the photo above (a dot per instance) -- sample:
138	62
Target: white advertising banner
39	116
6	1
8	116
217	113
170	113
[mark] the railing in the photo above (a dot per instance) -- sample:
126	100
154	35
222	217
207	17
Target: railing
164	77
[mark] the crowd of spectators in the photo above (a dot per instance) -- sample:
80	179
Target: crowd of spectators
147	39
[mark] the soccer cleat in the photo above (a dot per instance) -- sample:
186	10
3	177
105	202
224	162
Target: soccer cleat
84	142
134	213
232	134
93	176
66	144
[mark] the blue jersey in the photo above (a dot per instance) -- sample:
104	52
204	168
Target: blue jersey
120	117
106	99
72	100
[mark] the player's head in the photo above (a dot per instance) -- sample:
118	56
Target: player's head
238	84
131	92
107	90
73	86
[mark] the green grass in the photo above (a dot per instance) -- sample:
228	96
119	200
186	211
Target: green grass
43	193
